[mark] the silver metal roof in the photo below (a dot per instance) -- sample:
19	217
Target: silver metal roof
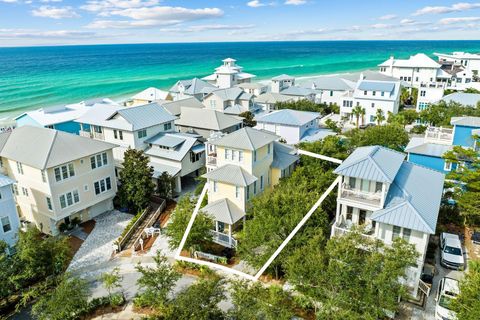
175	107
376	86
272	97
413	200
206	119
466	121
283	77
5	181
374	163
145	116
160	168
178	152
418	145
283	156
46	148
246	139
231	174
289	117
224	210
297	91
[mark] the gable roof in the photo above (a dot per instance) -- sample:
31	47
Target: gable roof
333	83
420	60
297	91
233	93
198	86
374	163
283	155
283	77
418	145
181	143
376	86
413	199
46	148
465	121
151	94
289	117
272	97
206	119
224	210
231	174
141	117
175	107
246	139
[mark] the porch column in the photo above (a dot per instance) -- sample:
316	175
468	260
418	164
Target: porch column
216	225
339	206
230	234
178	184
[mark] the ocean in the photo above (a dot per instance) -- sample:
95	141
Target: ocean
34	77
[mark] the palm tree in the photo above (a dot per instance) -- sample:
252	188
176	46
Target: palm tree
357	111
362	114
379	116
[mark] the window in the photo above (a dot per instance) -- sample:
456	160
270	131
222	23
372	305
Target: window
25	191
214	186
248	192
255	155
374	93
373	105
167	126
255	187
6	224
118	134
349	213
142	133
69	199
212	104
422	93
237	192
64	172
416	79
102	186
240	156
1	163
194	157
378	187
406	234
228	154
19	168
352	182
331	93
99	160
396	232
234	155
364	93
447	166
261	183
44	176
49	204
383	93
15	189
372	118
269	148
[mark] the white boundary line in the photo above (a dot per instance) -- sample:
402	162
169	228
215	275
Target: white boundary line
297	228
178	255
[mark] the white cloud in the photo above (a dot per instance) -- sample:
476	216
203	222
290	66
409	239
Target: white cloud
379	26
208	27
459	20
9	1
295	2
105	5
48	1
9	34
55	12
387	17
457	7
407	21
256	4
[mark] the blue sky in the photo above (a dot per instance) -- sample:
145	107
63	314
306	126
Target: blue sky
56	22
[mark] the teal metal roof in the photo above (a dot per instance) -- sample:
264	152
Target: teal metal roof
374	163
413	200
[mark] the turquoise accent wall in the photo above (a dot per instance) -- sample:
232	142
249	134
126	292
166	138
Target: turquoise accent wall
463	136
429	162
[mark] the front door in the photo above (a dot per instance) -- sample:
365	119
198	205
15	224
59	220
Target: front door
362	217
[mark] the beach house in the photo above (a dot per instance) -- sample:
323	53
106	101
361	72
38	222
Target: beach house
330	89
462	98
241	165
149	95
230	100
61	117
467	61
206	122
175	107
181	155
228	75
60	178
370	96
267	101
428	151
126	127
292	126
9	220
428	94
196	88
390	198
253	88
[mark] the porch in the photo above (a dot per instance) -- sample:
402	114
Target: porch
361	195
439	135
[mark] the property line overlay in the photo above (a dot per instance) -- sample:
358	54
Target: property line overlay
317	204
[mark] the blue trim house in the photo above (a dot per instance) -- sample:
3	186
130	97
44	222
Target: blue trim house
60	118
429	150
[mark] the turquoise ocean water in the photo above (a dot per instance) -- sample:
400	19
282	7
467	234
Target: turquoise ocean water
33	77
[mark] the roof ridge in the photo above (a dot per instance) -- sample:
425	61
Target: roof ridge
55	132
418	214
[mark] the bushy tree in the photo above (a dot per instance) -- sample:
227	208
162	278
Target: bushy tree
440	114
307	105
165	185
156	283
66	302
198	301
199	235
251	300
334	126
467	303
136	184
391	136
352	277
111	281
7	270
248	119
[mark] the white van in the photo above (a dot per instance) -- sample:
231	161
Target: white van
446	292
451	251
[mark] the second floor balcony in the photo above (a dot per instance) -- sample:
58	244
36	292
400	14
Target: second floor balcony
358	195
439	135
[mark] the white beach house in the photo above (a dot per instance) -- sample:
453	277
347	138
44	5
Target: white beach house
391	198
9	220
150	95
58	176
196	88
228	75
230	100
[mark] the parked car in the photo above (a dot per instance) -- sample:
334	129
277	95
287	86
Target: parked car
451	251
365	126
446	292
428	273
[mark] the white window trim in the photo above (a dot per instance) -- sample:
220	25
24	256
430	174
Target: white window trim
447	166
61	172
73	199
9	222
99	186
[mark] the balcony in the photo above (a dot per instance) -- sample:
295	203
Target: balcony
211	161
439	135
341	228
86	134
224	239
92	135
357	195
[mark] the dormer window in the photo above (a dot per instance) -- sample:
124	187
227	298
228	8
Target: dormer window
365	93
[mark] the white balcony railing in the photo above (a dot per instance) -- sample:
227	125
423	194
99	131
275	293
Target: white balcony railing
224	239
98	136
212	161
340	230
439	135
86	134
373	198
